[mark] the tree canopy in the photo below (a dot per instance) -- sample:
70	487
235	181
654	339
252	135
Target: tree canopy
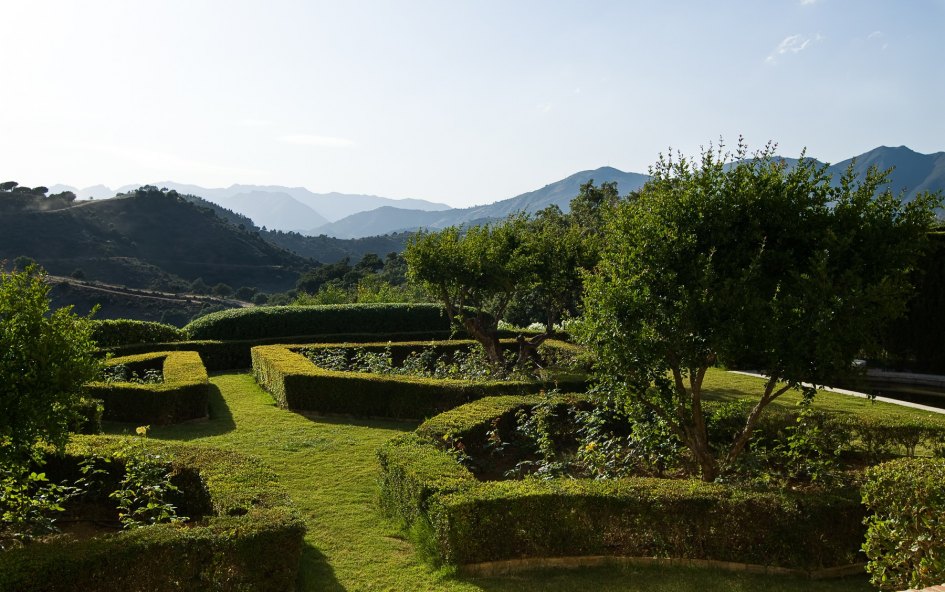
741	257
45	358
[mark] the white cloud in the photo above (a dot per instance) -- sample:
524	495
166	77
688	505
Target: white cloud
790	44
320	141
808	2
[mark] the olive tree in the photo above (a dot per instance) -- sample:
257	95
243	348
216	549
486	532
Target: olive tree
476	273
735	257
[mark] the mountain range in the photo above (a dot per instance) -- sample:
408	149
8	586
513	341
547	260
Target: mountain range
346	216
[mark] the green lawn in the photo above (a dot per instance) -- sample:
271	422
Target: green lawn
328	466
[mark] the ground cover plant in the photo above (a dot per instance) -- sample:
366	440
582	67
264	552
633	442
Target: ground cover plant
458	360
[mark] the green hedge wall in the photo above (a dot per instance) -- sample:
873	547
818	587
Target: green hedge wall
469	521
183	395
119	332
250	540
646	518
905	539
291	321
297	384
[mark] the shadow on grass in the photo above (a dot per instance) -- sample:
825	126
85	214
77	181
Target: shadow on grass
316	573
364	422
220	422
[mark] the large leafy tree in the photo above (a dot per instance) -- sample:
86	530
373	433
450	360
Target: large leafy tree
734	257
477	272
45	358
474	272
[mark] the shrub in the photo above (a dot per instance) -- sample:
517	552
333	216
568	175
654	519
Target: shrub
296	383
425	482
905	538
293	321
183	395
120	332
249	537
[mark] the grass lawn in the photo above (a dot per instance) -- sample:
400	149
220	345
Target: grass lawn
328	466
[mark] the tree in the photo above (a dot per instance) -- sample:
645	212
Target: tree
478	272
724	258
47	357
474	273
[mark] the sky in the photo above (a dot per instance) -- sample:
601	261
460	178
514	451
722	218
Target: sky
460	102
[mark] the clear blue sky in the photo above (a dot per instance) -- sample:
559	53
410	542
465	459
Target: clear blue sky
459	102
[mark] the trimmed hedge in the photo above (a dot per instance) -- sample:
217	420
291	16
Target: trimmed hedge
297	384
469	521
119	332
905	539
249	539
183	395
291	321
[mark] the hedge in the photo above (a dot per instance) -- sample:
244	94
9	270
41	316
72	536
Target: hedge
470	521
250	537
291	321
297	384
183	395
119	332
905	539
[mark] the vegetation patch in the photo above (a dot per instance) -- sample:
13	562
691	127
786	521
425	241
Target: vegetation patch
905	540
506	478
298	384
119	332
164	387
242	533
424	321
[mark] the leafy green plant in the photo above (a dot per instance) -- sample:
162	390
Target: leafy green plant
905	537
144	490
122	373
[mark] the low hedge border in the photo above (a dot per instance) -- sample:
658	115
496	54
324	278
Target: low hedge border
297	384
219	356
184	394
469	522
249	539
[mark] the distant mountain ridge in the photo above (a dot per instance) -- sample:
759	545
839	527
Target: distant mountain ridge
560	193
346	216
913	173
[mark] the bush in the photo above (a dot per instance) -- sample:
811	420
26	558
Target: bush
183	395
120	332
249	538
297	384
905	538
297	321
469	521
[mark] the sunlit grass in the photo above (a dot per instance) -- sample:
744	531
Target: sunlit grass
329	467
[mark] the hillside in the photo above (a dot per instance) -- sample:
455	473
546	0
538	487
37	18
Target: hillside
560	193
914	172
328	249
147	239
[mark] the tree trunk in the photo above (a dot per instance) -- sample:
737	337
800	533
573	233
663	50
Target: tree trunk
528	349
487	337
